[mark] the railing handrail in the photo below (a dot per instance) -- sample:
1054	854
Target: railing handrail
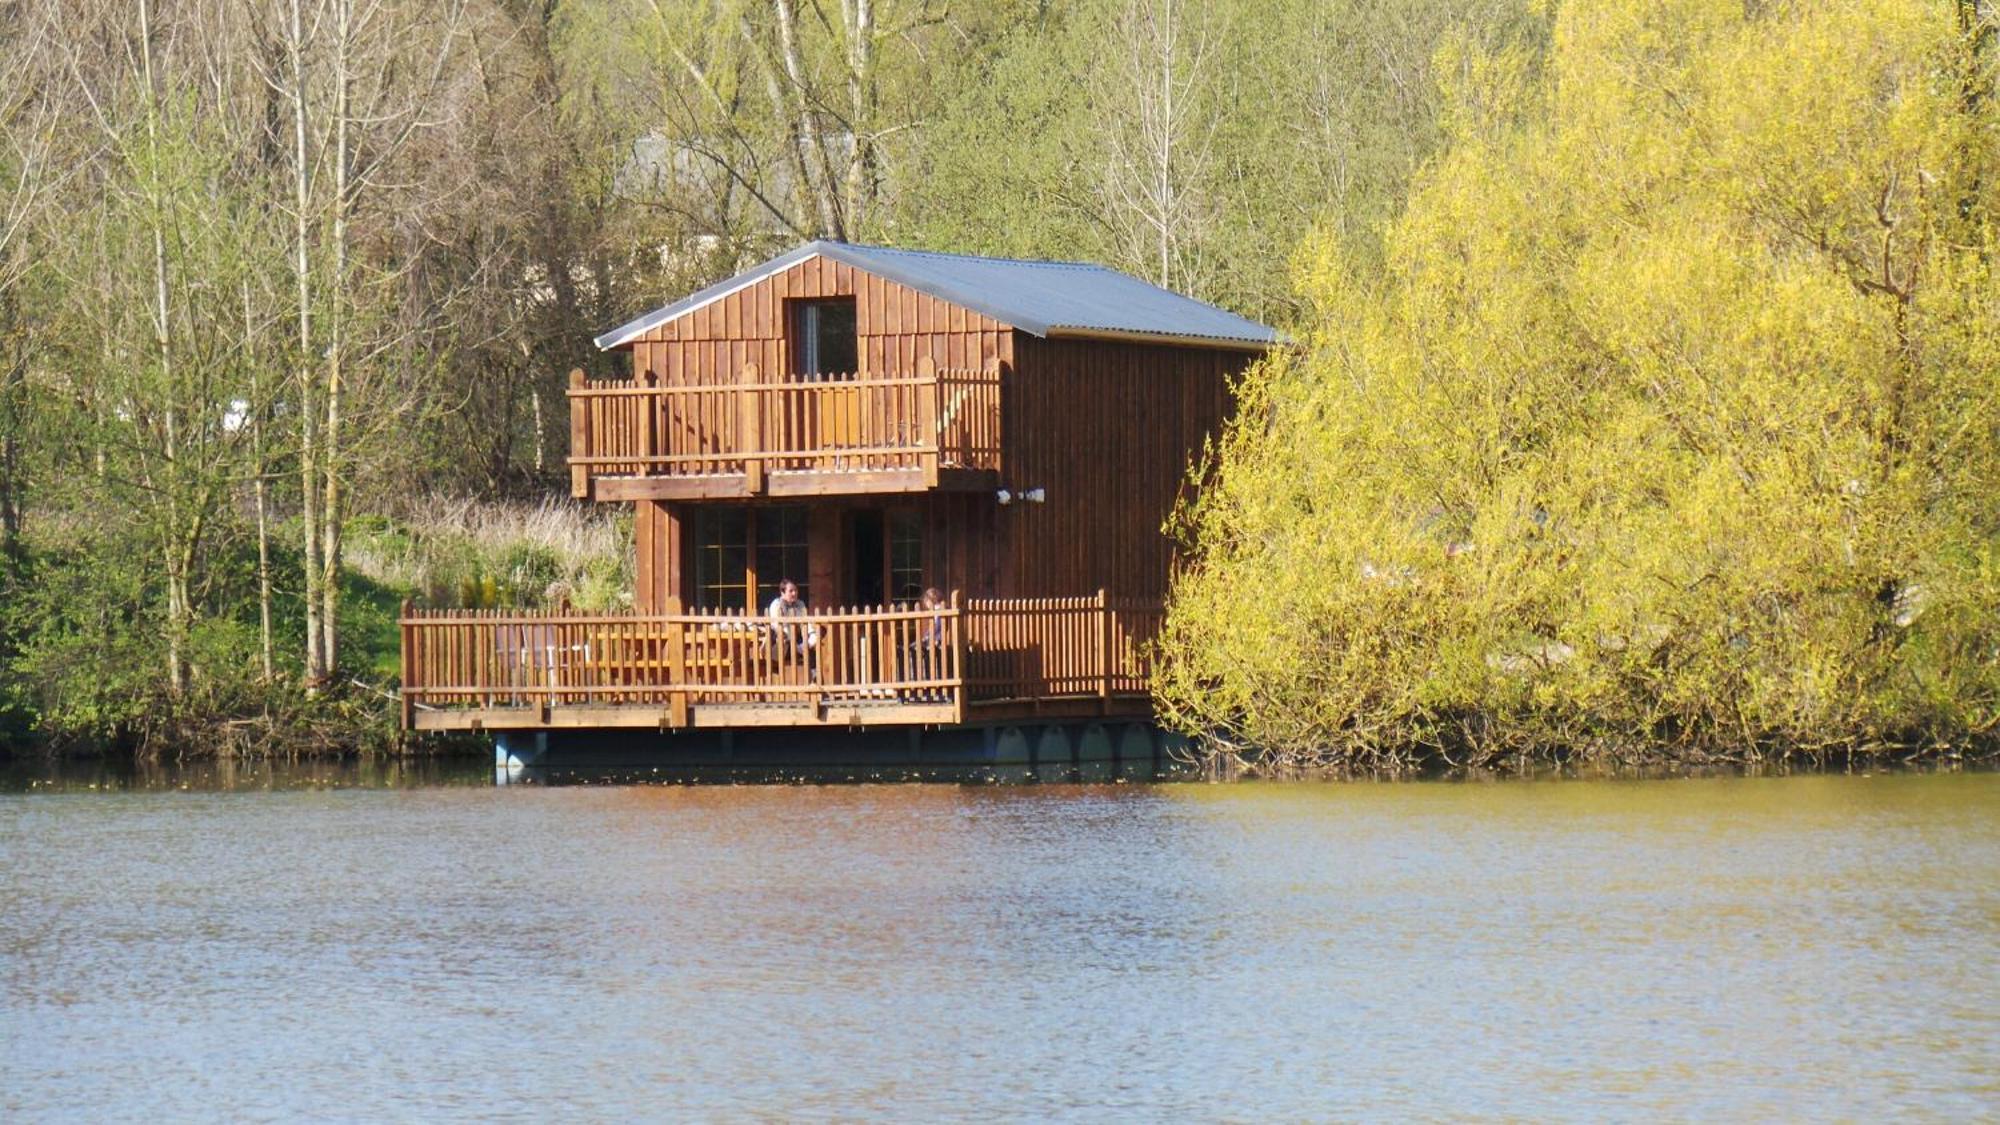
610	388
752	454
855	613
845	615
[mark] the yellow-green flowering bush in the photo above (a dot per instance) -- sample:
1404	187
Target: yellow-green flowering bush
1669	427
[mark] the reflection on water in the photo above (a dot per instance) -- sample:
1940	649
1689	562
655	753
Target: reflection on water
85	775
96	775
1791	948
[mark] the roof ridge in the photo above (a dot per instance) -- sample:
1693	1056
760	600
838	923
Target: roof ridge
1109	301
1057	263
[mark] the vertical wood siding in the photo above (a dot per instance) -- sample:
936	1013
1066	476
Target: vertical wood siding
657	533
895	323
1108	429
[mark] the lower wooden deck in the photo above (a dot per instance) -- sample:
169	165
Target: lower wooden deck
979	662
834	714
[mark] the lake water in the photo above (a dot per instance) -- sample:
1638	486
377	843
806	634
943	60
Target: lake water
249	949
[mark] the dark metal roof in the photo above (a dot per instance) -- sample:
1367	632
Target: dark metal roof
1040	298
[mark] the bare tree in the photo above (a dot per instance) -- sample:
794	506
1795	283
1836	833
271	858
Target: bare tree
151	353
774	117
1159	131
362	79
30	105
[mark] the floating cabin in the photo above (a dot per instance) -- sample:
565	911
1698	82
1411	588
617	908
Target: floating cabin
867	422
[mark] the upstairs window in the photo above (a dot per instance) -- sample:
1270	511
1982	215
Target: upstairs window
823	337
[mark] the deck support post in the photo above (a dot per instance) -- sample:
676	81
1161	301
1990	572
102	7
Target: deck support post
675	638
579	436
957	657
750	434
992	369
650	405
409	664
1105	639
927	420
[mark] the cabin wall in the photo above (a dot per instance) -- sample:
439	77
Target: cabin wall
658	543
895	325
1109	430
961	546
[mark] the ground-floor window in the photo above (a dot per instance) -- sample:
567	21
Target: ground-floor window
741	554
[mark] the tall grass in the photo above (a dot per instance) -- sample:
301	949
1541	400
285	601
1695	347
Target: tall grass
497	554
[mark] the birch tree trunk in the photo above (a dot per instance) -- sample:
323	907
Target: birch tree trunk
178	609
256	416
316	664
336	347
13	368
805	128
861	94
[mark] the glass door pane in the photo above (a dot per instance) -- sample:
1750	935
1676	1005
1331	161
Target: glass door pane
721	539
781	552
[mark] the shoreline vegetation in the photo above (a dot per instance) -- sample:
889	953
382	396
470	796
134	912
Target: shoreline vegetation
1643	408
1665	430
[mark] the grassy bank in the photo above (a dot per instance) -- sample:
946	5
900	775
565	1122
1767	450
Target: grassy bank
81	632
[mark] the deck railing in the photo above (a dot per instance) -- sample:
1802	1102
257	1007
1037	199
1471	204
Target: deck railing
1054	648
929	421
503	659
988	651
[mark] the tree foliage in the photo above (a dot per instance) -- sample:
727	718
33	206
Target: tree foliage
1669	421
281	278
1211	136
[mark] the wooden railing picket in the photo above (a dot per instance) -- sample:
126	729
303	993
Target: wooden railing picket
406	665
957	671
650	412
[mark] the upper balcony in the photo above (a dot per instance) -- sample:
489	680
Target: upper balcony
785	435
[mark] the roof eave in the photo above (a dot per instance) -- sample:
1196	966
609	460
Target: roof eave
633	329
1222	343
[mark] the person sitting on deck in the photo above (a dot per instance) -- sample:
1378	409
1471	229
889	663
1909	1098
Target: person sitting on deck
926	653
791	640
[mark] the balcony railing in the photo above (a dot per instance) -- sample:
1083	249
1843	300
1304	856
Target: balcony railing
871	428
507	670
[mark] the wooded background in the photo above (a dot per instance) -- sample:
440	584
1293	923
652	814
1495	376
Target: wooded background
276	276
288	290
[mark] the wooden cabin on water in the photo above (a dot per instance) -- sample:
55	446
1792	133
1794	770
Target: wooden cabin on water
867	422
